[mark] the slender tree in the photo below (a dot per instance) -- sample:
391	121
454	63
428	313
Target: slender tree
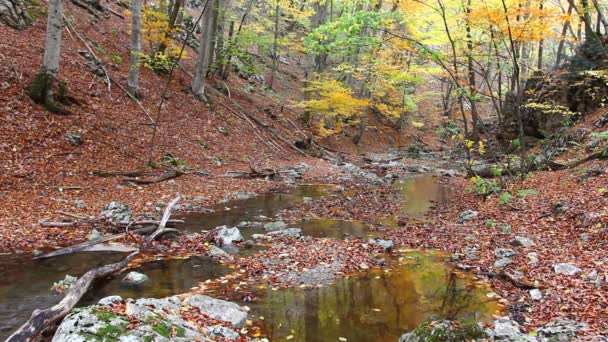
133	78
204	53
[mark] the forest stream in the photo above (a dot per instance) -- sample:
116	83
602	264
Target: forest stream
379	305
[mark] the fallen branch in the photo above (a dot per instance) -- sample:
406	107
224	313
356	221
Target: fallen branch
84	245
104	173
555	165
65	213
107	8
173	173
506	277
163	222
58	224
43	319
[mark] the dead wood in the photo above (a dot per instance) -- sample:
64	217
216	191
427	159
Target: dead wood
105	173
65	213
173	173
508	278
58	224
555	165
84	245
163	222
43	319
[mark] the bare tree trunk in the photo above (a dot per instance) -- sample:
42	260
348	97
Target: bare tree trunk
219	36
133	78
204	51
13	14
541	42
601	16
275	46
175	9
562	41
41	88
471	70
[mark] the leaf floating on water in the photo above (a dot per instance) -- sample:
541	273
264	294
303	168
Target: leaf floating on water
377	310
289	337
342	339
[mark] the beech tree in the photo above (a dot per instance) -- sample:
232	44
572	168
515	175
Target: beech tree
204	53
41	88
133	78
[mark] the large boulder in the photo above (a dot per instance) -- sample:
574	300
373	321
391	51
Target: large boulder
560	331
149	319
229	235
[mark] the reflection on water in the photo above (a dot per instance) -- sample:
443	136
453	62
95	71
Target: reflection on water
330	228
373	307
167	278
420	194
25	284
267	205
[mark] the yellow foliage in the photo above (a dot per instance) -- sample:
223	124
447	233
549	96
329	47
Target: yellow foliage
333	99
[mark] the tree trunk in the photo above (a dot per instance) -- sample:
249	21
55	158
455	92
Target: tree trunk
13	14
41	88
562	41
204	51
601	15
133	78
275	46
219	37
175	9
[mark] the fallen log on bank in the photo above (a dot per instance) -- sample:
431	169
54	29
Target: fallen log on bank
84	245
44	319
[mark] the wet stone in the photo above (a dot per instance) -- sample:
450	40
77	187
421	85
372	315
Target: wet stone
271	226
135	278
386	245
286	233
229	235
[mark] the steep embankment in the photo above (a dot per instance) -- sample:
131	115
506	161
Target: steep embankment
39	163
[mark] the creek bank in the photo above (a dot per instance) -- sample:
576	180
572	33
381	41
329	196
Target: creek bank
195	318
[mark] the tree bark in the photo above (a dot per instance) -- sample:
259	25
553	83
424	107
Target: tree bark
13	14
275	46
562	41
204	52
43	319
601	15
133	78
41	88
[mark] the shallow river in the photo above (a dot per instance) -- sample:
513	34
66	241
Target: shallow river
373	307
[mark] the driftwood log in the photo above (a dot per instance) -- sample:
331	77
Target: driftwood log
162	227
44	319
84	245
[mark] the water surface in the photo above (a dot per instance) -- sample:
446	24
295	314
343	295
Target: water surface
377	306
